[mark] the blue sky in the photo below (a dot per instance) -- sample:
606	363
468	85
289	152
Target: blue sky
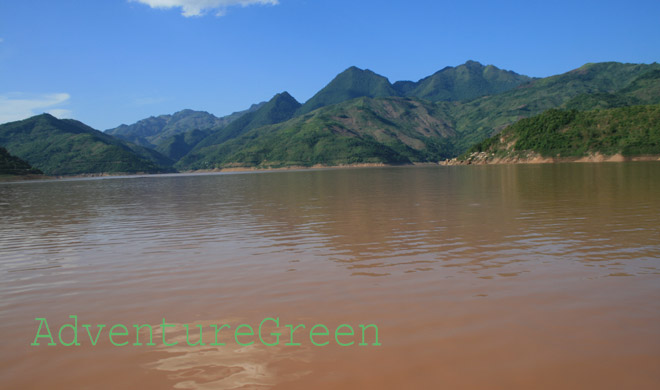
107	62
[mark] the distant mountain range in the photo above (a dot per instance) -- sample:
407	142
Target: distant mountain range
359	117
153	131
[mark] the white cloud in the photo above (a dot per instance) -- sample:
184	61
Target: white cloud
17	106
200	7
2	40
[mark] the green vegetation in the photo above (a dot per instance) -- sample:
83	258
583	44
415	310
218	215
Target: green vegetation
279	109
349	84
177	146
483	117
465	82
154	132
364	130
631	131
65	147
12	165
359	117
414	130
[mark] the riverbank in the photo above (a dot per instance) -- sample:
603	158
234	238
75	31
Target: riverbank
483	158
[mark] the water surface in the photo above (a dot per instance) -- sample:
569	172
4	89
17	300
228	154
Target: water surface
498	277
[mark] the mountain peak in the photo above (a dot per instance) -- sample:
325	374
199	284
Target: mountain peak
350	84
284	96
463	82
473	64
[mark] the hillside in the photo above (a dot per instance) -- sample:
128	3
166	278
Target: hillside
486	116
368	128
349	84
278	109
12	165
154	131
66	147
464	82
629	131
363	130
360	130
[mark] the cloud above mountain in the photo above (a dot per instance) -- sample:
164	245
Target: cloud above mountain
17	106
200	7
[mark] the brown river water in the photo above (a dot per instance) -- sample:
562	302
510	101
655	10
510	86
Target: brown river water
477	277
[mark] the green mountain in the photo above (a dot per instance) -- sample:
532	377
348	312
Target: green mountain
65	147
359	119
631	131
279	109
464	82
396	130
177	146
350	84
383	130
12	165
645	89
481	118
153	131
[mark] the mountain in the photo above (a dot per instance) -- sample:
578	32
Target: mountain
464	82
359	119
177	146
65	147
364	130
645	89
152	131
630	131
12	165
396	130
349	84
278	109
483	117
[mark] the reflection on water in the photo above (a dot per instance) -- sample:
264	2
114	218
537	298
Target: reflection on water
449	261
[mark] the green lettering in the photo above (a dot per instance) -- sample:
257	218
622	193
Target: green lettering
364	328
100	326
162	327
238	333
217	330
338	333
293	330
312	334
277	335
39	335
74	327
200	342
137	334
112	333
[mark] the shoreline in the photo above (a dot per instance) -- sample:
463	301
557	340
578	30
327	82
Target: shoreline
477	159
484	158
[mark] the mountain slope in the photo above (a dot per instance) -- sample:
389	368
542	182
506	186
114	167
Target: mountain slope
64	147
390	129
350	84
481	118
630	131
464	82
152	131
645	89
279	109
12	165
364	130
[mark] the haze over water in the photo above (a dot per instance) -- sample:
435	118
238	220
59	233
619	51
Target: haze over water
497	277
